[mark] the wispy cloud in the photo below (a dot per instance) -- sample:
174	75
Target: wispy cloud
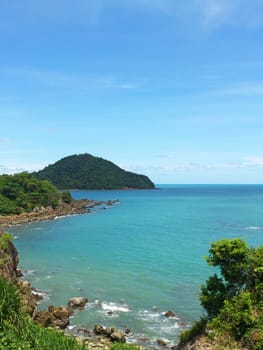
209	14
69	81
184	167
243	89
10	170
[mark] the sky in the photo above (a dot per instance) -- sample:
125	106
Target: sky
170	89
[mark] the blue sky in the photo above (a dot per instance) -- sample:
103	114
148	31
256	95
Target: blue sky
171	89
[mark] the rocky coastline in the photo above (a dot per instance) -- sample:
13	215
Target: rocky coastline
57	317
82	206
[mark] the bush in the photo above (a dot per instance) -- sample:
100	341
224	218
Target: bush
66	197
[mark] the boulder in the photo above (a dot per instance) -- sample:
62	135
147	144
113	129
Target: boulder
77	302
98	329
116	335
169	314
161	342
43	318
56	316
60	311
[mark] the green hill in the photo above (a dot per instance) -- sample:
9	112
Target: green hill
85	171
23	192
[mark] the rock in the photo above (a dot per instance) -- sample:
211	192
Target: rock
98	329
43	318
77	302
8	260
108	331
84	331
161	342
60	311
117	336
169	314
56	316
60	316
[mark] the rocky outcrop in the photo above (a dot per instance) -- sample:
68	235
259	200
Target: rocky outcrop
8	258
48	213
169	314
112	333
9	271
56	316
81	206
77	302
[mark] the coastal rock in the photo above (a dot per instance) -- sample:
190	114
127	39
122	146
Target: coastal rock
98	329
56	316
112	333
77	302
60	312
169	314
161	342
117	336
43	318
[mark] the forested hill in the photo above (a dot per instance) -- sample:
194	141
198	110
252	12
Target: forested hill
85	171
23	192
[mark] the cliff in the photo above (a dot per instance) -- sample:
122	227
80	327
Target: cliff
10	272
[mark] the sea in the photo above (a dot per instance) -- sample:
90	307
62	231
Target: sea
140	257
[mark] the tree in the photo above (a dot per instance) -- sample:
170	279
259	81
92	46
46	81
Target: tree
232	298
233	259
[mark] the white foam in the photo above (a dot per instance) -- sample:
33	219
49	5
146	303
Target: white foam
114	307
158	322
29	272
71	327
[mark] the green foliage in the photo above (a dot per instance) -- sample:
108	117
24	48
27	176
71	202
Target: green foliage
66	197
23	192
233	259
85	171
197	328
17	331
5	239
236	316
234	299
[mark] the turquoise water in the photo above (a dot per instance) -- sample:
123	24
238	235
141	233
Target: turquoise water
141	257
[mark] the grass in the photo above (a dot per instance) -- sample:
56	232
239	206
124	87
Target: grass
18	332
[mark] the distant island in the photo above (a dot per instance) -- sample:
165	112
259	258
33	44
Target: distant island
84	171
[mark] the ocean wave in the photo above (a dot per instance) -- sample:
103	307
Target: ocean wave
109	308
114	307
43	294
253	228
157	322
29	272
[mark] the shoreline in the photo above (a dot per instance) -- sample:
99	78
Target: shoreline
92	337
81	206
